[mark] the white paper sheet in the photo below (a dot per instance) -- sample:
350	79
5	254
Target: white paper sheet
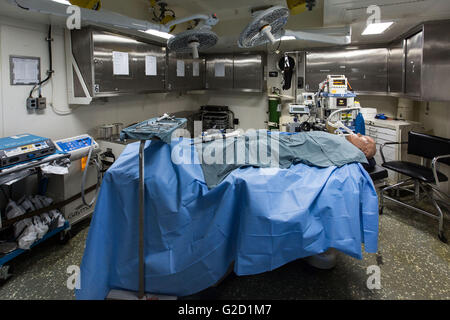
180	68
26	71
219	69
150	66
121	65
195	69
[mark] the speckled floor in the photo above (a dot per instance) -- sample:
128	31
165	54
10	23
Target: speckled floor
414	265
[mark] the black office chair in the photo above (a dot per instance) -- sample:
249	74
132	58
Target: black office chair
427	179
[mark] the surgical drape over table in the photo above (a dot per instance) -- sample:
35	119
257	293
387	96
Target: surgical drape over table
259	218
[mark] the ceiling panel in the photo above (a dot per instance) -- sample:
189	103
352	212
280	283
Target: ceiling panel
404	13
234	15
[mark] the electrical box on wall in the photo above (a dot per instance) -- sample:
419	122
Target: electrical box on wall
36	103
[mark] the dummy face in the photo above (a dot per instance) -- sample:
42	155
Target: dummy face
364	143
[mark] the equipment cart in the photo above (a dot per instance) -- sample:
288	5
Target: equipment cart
9	176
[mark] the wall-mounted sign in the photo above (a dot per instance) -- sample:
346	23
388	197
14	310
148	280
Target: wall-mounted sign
24	70
150	66
121	63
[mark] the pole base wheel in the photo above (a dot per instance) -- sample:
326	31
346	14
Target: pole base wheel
64	237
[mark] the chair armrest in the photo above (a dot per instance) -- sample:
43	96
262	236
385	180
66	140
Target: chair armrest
388	143
434	166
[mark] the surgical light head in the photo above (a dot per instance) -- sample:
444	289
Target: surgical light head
193	41
266	26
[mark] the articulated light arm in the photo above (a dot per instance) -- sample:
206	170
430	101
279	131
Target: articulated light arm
208	20
106	17
98	17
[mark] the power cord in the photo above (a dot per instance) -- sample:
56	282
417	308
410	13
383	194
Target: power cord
83	180
50	72
20	6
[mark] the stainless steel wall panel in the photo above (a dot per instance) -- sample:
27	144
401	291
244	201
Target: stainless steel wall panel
93	51
396	64
188	81
366	69
214	78
143	81
105	82
436	61
248	72
321	64
413	66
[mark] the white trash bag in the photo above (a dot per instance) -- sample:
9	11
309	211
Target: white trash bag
46	201
55	214
26	233
26	204
41	227
13	210
28	237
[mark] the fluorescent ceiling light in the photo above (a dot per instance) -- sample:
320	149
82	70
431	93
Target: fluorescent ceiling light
376	28
160	34
285	38
63	2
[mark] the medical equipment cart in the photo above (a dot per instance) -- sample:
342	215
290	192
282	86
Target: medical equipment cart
11	175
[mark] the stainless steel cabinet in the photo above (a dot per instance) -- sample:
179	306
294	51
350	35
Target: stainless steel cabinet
219	72
321	64
185	73
436	61
366	69
248	72
413	65
396	64
96	50
240	72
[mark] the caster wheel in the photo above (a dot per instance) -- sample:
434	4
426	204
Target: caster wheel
5	274
381	211
64	237
442	237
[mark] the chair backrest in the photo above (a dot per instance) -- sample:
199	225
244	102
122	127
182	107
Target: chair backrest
428	146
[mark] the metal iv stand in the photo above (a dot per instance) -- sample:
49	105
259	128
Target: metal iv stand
150	130
141	293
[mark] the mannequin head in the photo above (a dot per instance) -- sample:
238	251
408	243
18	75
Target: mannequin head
364	143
